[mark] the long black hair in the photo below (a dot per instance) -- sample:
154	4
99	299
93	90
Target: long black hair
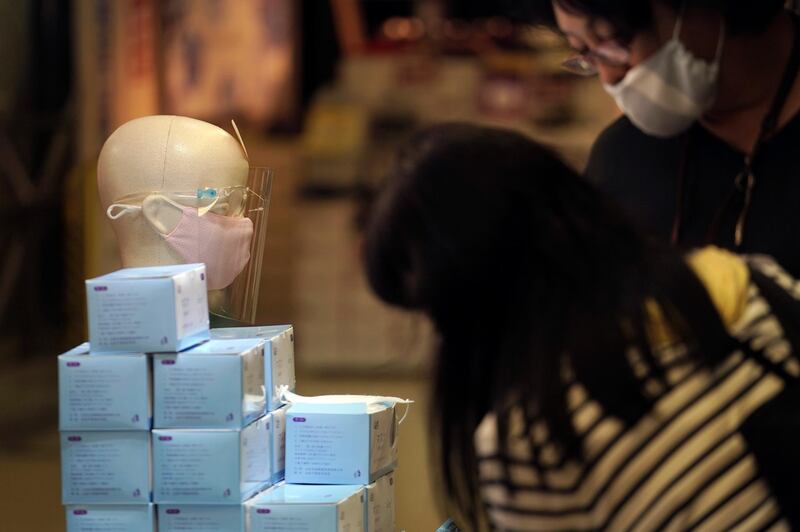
523	267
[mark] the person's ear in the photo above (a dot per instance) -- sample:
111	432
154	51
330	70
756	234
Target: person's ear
162	214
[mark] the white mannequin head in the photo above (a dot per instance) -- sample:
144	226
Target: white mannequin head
163	153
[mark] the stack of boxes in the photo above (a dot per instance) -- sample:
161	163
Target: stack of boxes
105	406
219	427
340	457
167	425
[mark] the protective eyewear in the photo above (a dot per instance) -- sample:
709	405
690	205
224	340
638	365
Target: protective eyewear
585	63
225	201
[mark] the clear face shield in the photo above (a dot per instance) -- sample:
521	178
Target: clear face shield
223	227
239	300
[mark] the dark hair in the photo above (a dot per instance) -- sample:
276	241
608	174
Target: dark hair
632	16
519	262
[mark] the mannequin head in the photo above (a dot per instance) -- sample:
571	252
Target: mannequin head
163	153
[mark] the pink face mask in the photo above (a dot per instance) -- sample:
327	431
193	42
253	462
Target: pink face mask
221	242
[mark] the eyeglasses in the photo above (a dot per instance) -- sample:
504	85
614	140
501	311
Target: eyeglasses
225	201
608	53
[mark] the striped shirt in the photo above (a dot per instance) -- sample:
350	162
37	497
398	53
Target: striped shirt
684	465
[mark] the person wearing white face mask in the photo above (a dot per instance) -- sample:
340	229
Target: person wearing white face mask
705	153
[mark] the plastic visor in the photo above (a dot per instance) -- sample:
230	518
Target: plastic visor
238	302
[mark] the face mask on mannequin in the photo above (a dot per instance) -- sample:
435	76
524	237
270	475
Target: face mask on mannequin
221	242
671	89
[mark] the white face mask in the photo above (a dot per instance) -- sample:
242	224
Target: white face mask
288	397
667	92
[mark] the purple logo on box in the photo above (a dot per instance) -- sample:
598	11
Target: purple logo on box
79	512
165	438
299	419
263	511
168	362
74	438
73	364
202	277
173	511
100	288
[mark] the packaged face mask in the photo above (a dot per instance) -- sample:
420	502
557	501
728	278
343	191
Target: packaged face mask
218	384
278	356
103	392
199	517
312	508
358	433
211	466
148	310
111	518
105	467
379	508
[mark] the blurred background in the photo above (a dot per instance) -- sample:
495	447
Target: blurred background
323	90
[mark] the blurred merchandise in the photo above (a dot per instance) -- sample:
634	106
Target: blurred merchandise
448	526
231	58
345	327
334	140
116	71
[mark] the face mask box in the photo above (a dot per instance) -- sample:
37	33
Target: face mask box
278	356
196	517
218	384
111	518
148	310
358	439
312	508
277	419
105	467
379	515
103	392
212	466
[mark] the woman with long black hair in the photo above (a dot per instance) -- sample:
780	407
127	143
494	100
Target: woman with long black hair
588	378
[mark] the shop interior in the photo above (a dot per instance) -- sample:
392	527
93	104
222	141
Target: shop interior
322	91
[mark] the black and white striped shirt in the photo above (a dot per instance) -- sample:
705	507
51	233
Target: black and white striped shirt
686	465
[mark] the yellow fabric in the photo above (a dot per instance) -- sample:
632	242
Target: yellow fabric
725	277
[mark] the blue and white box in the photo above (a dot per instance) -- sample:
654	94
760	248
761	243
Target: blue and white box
148	310
200	517
218	384
111	518
277	419
211	466
380	514
278	356
448	526
312	508
347	443
105	467
103	392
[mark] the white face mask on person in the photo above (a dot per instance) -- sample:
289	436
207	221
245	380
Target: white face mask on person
664	94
